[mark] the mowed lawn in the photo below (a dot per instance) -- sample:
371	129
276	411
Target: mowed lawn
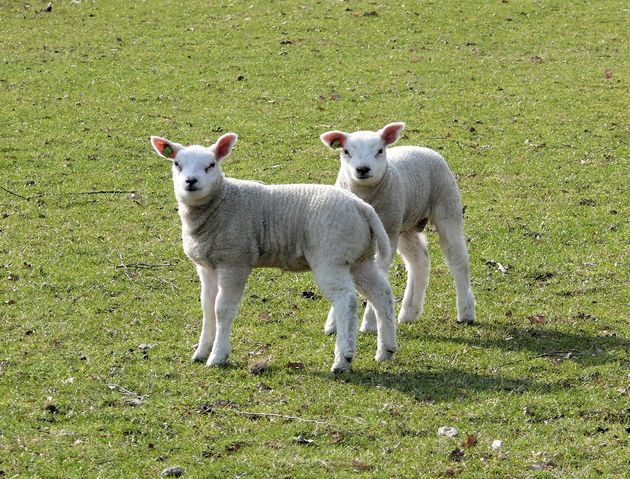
99	308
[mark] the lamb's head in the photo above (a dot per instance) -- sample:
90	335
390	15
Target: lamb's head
196	171
363	153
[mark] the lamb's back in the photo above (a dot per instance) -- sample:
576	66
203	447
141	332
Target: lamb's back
285	226
423	176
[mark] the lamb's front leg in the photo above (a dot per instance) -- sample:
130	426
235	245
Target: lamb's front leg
231	284
209	288
368	324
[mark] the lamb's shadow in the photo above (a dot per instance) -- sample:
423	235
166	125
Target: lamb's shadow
535	343
440	385
539	341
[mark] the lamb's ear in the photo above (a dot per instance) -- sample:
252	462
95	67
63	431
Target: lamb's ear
391	132
334	139
164	148
223	147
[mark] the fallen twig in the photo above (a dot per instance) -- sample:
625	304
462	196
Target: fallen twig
101	192
144	265
567	354
172	285
15	194
549	354
273	414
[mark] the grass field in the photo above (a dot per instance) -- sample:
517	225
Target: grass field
99	310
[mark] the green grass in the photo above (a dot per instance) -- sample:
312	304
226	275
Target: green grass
528	102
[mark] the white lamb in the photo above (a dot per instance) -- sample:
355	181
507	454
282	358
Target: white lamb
231	226
407	186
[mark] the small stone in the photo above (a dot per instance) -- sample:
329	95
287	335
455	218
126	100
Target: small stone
497	445
134	402
448	431
303	441
174	471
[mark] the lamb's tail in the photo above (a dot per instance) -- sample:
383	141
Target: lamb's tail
378	230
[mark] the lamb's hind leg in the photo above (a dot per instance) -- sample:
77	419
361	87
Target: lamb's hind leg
209	288
336	284
453	245
231	286
372	283
369	323
413	248
331	326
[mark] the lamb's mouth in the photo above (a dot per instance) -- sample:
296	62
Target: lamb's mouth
363	177
191	188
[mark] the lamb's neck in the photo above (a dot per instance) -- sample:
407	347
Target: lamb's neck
368	192
195	216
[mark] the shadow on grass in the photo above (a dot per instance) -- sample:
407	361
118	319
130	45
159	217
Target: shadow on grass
540	342
447	384
441	385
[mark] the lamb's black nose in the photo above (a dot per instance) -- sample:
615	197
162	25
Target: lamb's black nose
363	170
191	181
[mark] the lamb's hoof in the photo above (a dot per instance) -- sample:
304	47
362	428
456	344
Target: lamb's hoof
217	360
385	355
342	366
330	330
201	356
408	316
339	369
466	320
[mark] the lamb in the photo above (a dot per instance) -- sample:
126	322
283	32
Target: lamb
407	186
230	226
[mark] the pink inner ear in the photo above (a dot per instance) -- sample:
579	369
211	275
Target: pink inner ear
334	139
224	146
391	132
164	148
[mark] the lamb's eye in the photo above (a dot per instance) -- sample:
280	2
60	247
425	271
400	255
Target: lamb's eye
209	167
380	152
177	165
346	152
